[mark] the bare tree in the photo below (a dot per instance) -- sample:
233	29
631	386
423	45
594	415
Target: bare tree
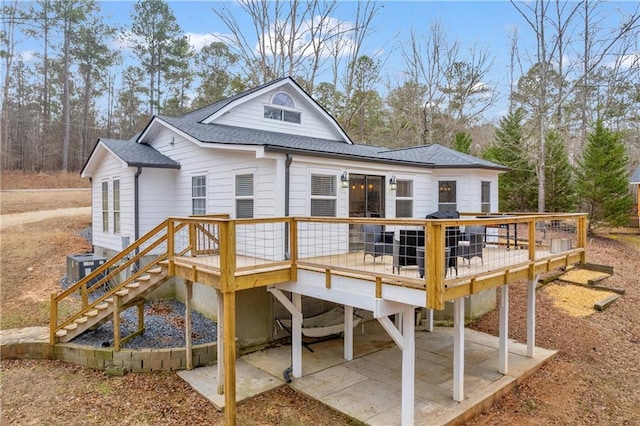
552	32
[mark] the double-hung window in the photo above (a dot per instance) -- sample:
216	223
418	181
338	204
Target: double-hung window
116	206
323	195
447	195
404	198
244	196
198	195
105	206
485	200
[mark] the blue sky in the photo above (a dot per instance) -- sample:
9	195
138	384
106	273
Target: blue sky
484	23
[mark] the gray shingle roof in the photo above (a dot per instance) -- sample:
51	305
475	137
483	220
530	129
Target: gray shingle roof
435	156
138	154
635	177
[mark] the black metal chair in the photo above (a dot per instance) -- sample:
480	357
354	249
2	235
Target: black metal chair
472	242
377	242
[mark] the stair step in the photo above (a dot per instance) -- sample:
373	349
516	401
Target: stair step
81	320
61	333
102	306
144	278
91	313
164	262
122	292
109	300
133	285
70	327
155	270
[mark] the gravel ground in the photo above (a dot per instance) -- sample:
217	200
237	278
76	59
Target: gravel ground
163	328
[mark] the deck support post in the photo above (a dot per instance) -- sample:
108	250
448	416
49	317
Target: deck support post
296	337
220	346
458	349
406	341
187	324
531	316
429	320
230	358
408	364
503	335
348	332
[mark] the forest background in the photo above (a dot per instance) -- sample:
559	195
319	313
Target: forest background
567	103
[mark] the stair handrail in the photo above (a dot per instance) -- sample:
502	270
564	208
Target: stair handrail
166	225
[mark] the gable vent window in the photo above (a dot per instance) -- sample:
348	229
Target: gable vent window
323	195
198	195
244	196
281	108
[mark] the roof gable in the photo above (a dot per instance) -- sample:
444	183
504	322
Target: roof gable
220	109
130	153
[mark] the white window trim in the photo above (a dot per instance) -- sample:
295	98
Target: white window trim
488	202
195	175
104	196
282	108
410	198
253	173
327	173
447	179
117	224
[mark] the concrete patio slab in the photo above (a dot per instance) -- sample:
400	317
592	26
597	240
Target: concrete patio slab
369	387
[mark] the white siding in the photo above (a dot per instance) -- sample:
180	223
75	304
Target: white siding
110	169
468	187
156	197
251	115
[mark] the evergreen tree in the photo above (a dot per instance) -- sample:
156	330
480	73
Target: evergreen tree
602	178
462	142
518	187
560	193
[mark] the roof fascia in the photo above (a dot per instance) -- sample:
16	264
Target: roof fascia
89	168
284	82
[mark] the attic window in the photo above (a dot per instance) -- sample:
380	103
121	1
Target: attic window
281	109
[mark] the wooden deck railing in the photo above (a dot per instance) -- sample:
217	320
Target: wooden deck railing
237	251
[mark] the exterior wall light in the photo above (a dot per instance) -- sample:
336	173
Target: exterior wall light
393	183
344	180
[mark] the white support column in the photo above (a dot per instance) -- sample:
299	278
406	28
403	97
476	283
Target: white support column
220	348
296	337
458	349
348	332
503	335
408	365
531	316
429	320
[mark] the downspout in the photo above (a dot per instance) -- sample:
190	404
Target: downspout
287	181
136	205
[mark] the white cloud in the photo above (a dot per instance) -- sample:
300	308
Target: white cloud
27	55
199	40
626	62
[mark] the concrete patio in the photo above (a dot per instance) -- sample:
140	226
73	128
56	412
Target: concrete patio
369	387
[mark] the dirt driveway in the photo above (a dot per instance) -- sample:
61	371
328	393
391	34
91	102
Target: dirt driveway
593	380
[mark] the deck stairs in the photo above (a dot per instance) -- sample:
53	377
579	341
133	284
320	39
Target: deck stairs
118	284
121	298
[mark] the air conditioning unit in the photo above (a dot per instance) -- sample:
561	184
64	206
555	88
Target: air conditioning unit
82	264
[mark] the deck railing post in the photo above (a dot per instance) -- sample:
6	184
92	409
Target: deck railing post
54	319
434	265
582	237
293	247
170	238
193	239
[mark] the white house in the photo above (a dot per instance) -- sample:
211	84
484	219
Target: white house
271	151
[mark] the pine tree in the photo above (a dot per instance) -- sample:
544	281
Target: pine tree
518	187
603	178
560	193
462	142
